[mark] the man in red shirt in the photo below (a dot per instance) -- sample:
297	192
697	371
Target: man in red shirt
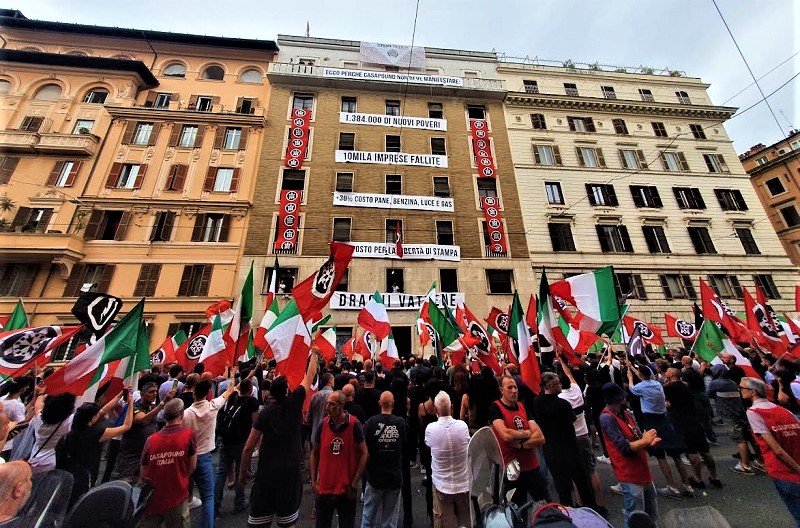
169	457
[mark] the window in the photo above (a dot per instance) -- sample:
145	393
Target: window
214	73
767	285
701	240
435	111
476	111
581	124
762	160
306	62
546	155
629	285
448	280
674	162
222	183
7	166
487	187
614	239
501	282
341	229
689	198
141	133
162	100
394	184
48	92
347	141
33	220
601	194
96	96
656	239
251	75
16	279
393	144
538	122
96	276
393	227
344	182
5	87
632	159
31	124
349	104
438	147
394	280
391	68
725	286
620	127
286	280
175	70
590	157
64	173
393	108
302	101
147	281
561	236
646	94
677	287
293	180
195	280
441	186
608	92
107	225
730	199
659	129
554	194
344	283
211	227
83	126
204	103
176	178
129	177
571	89
790	216
530	86
683	97
775	186
697	131
162	229
645	196
246	105
444	233
233	136
745	236
715	163
188	136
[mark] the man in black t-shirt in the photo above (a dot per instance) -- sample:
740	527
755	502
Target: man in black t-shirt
369	396
385	435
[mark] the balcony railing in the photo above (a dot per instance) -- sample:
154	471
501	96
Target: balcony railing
290	251
66	144
495	254
18	140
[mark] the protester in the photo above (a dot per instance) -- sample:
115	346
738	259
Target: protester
350	404
171	384
144	424
54	421
15	488
13	407
316	409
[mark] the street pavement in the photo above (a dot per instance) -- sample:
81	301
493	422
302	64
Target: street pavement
745	501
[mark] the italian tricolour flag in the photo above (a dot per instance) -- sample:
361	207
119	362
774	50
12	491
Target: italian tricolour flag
290	340
594	296
374	317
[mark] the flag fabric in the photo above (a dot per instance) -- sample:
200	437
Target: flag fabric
708	344
249	352
270	316
519	331
222	308
426	333
120	342
388	352
26	348
546	318
273	280
166	353
498	320
793	329
717	311
188	353
213	355
17	319
349	348
326	343
363	347
3	320
374	317
96	311
111	374
680	328
447	333
485	347
774	329
635	345
240	323
398	239
312	295
594	296
759	321
650	333
290	342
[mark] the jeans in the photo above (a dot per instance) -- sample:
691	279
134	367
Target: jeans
204	481
789	492
639	497
381	508
229	456
344	507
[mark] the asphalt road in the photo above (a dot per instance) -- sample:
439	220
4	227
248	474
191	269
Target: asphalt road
745	501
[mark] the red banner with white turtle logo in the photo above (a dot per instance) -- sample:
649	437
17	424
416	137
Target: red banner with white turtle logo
287	232
298	138
482	148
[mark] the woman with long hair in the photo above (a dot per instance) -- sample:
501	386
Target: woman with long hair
50	425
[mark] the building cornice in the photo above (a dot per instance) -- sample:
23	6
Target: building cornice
758	170
617	106
186	116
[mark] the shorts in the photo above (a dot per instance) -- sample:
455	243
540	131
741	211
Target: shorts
695	440
276	497
737	432
586	452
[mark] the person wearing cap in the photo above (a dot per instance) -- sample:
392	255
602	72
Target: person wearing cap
777	432
627	447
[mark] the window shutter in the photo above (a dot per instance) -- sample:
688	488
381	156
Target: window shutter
697	240
626	239
198	138
590	194
179	177
140	176
205	280
235	180
186	278
7	167
612	195
225	229
175	135
22	217
239	105
664	161
192	103
154	234
698	198
169	222
211	175
150	100
75	280
105	278
557	155
662	240
53	178
243	138
44	221
721	199
665	287
127	136
650	239
622	159
26	281
740	203
76	166
682	160
688	287
642	159
601	236
113	176
656	197
536	158
219	137
637	196
123	226
93	226
679	197
600	159
580	157
141	282
197	230
214	102
590	125
571	123
154	133
722	165
712	281
638	287
733	280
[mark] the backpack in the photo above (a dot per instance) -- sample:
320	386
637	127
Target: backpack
230	419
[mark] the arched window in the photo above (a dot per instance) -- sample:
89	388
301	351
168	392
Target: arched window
48	92
175	70
5	87
96	95
214	73
250	76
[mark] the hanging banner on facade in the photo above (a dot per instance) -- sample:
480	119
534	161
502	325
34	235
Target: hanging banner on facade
494	224
392	54
424	123
366	75
482	148
391	158
410	251
394	201
392	301
298	138
286	232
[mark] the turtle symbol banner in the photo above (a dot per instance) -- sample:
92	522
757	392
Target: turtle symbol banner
482	148
287	231
494	224
298	138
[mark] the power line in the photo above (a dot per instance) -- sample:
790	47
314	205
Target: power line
751	84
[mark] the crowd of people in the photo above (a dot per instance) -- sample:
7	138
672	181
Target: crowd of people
354	431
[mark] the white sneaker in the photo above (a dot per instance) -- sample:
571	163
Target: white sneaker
422	470
604	459
195	503
616	489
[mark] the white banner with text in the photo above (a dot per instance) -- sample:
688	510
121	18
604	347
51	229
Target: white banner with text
394	201
391	158
425	123
393	301
366	75
410	251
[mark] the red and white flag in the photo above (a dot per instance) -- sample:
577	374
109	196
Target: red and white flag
680	328
188	354
326	343
26	348
650	333
374	317
388	352
398	239
716	310
312	295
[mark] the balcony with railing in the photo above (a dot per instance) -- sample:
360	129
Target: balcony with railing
495	254
18	141
23	141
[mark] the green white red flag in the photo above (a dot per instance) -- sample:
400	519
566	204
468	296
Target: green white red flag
374	317
593	295
388	352
326	343
167	352
519	331
214	356
290	341
18	319
237	335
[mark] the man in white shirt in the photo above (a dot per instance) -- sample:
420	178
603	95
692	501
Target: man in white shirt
448	439
13	407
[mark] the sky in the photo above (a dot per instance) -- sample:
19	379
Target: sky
686	35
